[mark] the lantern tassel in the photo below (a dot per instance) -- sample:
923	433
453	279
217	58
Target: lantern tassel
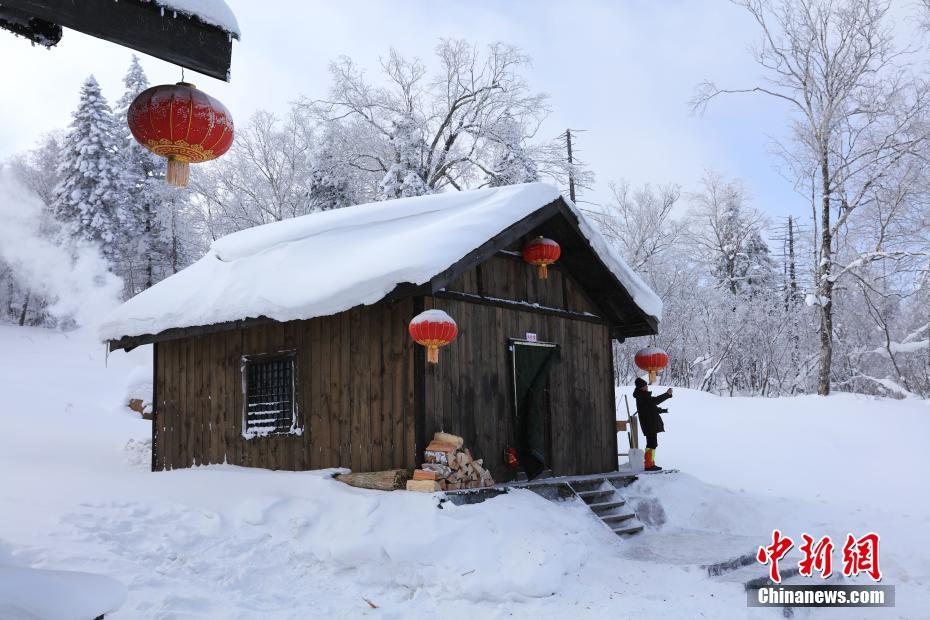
179	172
652	377
543	272
432	354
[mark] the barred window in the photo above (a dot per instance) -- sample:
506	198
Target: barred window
268	386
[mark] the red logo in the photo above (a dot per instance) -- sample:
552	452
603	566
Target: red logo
817	557
860	555
775	552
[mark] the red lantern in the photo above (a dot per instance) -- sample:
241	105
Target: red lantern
542	252
433	329
181	123
652	360
510	458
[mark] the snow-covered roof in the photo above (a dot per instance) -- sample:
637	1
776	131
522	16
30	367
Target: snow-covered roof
213	12
327	262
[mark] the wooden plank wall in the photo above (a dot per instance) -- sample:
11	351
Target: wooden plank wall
469	392
354	393
508	277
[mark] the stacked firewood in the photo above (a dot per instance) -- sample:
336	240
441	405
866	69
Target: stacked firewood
447	466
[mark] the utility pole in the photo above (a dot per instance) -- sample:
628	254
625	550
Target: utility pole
571	174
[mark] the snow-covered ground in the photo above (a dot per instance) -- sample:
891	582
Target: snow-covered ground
227	542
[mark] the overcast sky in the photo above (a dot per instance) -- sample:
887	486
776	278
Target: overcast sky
622	71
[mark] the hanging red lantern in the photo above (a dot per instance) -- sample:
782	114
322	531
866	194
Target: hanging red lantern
542	252
181	123
510	458
652	360
433	329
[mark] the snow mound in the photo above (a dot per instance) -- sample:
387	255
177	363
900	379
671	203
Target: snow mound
324	263
57	594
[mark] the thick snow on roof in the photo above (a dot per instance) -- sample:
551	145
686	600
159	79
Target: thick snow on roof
324	263
214	12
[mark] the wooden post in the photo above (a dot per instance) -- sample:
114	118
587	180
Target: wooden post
634	425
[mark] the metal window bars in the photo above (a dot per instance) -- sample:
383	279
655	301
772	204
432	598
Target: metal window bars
269	395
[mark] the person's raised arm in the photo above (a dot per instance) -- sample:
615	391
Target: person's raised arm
662	397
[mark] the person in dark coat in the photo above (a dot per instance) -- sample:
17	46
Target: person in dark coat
647	406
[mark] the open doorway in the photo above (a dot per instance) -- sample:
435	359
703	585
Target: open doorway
531	363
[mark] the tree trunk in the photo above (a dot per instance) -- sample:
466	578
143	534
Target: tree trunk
825	283
22	315
150	245
174	243
792	307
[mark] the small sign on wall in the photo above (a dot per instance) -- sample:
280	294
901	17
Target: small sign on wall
531	337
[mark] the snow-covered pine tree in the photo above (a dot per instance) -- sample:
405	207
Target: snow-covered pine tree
730	232
146	247
512	162
404	177
87	199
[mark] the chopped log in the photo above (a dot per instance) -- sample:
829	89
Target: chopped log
432	456
441	446
462	459
443	471
423	486
389	480
420	474
481	471
448	438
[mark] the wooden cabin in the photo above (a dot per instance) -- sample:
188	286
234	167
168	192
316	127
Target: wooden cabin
286	346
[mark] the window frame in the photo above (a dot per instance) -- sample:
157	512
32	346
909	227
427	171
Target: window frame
290	356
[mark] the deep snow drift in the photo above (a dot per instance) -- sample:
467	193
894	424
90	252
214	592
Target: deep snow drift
229	542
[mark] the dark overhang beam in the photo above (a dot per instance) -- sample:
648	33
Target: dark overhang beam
143	26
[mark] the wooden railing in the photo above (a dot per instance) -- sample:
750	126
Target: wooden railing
631	426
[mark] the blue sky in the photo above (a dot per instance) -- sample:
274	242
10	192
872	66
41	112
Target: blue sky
623	71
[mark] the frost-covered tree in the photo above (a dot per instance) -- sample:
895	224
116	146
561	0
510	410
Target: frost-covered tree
456	112
513	163
91	168
404	178
728	233
639	221
38	168
265	176
858	112
332	182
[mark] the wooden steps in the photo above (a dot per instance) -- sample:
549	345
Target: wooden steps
599	492
603	507
590	496
602	497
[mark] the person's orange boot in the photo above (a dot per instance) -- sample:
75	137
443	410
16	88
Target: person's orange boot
650	463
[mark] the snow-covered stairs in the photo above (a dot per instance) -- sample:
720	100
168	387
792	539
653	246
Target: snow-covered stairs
602	497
